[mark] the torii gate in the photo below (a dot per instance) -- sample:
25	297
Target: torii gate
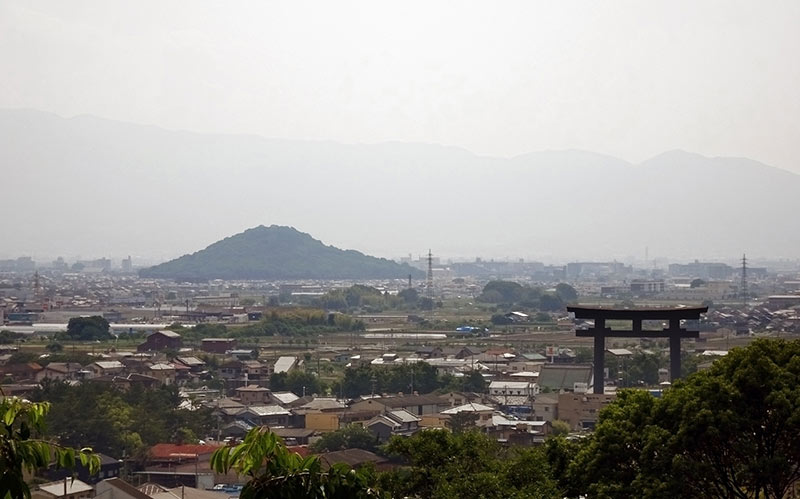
600	332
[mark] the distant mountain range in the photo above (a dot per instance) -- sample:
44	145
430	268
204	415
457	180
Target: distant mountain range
92	187
277	253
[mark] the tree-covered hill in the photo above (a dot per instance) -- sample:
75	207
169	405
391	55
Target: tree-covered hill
277	252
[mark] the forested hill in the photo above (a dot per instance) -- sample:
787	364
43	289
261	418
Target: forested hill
277	252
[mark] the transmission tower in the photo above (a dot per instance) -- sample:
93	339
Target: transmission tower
429	284
744	280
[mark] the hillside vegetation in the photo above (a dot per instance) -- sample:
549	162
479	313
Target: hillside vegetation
277	252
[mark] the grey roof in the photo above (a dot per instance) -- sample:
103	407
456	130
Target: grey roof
284	397
283	364
268	410
168	334
619	352
563	376
109	364
470	407
323	403
190	361
403	416
73	487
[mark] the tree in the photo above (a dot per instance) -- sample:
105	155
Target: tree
469	464
550	302
566	292
560	427
732	430
88	328
275	472
697	283
462	421
502	292
500	320
410	296
352	436
22	448
474	382
303	383
7	337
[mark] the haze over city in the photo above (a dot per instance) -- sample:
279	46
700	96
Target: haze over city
416	122
421	249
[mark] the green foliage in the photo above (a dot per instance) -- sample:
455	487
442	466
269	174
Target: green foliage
370	299
296	381
277	253
55	347
560	428
503	292
566	293
297	322
511	294
8	337
352	436
22	358
474	382
730	431
462	421
466	465
88	329
501	320
113	421
275	472
22	448
418	376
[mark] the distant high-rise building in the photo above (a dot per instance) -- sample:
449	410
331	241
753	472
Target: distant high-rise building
127	264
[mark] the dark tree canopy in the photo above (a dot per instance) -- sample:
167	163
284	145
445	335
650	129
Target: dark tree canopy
732	430
566	293
88	328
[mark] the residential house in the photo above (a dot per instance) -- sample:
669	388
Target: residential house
106	367
502	388
232	370
194	364
109	468
218	345
253	394
294	436
415	404
116	488
284	364
482	412
160	340
182	464
254	370
21	371
60	371
400	422
63	489
265	415
284	399
163	372
581	410
545	407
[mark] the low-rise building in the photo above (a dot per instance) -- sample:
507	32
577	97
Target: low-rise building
581	410
161	340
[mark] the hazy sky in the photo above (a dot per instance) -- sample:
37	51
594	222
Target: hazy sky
630	79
